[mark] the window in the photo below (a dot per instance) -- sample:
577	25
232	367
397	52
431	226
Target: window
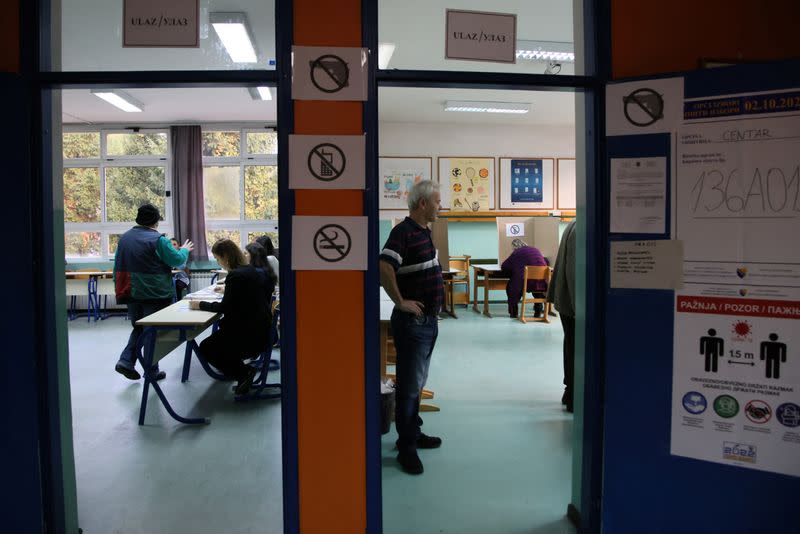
240	184
108	174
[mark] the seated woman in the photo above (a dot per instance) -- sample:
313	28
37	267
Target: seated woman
244	328
258	258
272	258
515	264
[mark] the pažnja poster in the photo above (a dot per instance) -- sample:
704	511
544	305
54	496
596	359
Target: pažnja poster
736	367
470	184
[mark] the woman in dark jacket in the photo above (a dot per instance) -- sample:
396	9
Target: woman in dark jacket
245	325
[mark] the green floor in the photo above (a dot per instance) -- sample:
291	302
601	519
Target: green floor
504	466
505	462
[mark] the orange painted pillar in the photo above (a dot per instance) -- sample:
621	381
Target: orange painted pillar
330	314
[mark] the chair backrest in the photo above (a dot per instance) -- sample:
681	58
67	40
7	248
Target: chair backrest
537	272
460	263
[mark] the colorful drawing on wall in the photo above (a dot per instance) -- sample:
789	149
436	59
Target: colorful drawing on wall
397	177
526	180
470	183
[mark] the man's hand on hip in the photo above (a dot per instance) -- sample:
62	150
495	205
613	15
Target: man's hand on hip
411	306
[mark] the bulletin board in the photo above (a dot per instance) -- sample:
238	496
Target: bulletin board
397	175
467	183
566	184
527	183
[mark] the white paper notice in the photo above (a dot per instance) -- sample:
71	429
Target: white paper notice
736	382
656	264
515	230
738	206
638	195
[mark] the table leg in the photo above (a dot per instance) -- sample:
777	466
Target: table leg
145	350
187	361
384	339
475	293
486	286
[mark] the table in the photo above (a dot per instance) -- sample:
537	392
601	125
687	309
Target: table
387	306
488	277
165	330
75	288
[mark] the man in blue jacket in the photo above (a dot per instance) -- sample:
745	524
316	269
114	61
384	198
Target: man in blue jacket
143	278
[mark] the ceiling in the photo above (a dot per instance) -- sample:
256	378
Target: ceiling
416	27
234	104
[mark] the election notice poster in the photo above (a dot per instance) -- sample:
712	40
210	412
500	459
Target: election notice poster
736	371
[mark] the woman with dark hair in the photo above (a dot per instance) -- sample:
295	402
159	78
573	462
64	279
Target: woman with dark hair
272	258
244	328
258	259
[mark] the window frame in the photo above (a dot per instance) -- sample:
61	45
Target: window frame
105	227
243	160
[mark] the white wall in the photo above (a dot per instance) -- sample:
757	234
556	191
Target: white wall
435	140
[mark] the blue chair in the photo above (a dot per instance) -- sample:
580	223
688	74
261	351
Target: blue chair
264	364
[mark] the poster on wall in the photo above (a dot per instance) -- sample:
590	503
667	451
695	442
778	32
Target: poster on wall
397	175
736	382
736	372
527	183
567	198
467	184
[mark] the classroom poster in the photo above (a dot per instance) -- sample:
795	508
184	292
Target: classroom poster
736	370
397	177
470	184
526	180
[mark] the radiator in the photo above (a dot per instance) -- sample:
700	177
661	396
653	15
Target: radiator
199	280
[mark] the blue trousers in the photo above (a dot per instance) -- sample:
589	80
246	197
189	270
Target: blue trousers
414	339
136	311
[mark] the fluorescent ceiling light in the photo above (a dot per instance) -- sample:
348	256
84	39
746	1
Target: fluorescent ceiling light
488	107
545	51
260	93
385	51
120	99
234	32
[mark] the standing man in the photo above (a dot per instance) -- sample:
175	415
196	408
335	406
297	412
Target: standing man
412	277
562	294
143	278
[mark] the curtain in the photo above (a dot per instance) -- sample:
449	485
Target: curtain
187	179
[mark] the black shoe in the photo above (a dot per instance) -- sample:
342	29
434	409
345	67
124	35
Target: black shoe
410	463
428	442
425	442
130	374
161	375
565	398
244	384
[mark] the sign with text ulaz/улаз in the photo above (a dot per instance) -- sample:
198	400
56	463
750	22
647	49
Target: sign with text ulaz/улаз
480	36
156	23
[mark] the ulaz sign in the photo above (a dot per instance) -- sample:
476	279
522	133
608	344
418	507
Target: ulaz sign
481	36
159	24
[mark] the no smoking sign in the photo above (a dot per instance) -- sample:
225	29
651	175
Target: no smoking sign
329	243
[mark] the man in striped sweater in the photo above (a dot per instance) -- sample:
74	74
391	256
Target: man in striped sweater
143	278
412	277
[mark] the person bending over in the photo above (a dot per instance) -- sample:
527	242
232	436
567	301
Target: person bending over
515	264
244	328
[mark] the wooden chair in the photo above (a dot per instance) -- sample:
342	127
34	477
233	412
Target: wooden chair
535	273
460	264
